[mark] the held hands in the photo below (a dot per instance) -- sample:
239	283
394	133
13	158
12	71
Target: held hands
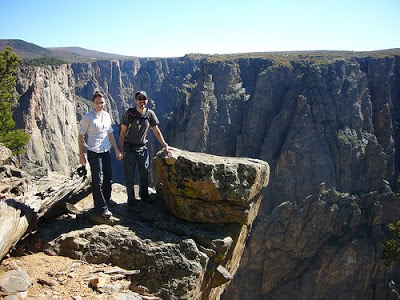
118	155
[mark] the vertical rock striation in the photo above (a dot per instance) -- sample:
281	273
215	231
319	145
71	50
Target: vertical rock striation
47	112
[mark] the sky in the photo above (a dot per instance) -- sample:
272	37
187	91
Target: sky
174	28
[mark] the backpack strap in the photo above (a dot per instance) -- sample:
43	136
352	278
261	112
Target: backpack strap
134	115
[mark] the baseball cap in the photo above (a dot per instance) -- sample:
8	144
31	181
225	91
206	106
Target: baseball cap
138	93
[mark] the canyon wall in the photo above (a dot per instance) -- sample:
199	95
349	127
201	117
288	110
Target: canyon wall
47	112
326	124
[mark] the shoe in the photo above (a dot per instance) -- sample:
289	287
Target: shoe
111	203
107	214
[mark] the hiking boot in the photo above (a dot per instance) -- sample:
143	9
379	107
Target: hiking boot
107	214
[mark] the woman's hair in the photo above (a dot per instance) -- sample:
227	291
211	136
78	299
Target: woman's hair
97	94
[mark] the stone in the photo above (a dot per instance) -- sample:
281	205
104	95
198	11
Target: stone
221	276
5	153
98	282
98	220
14	281
46	281
293	242
206	188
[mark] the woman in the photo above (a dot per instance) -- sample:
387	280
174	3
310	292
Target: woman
96	124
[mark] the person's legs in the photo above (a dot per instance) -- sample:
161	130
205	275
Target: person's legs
129	170
143	161
107	175
100	204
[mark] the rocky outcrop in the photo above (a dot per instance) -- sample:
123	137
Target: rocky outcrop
175	258
211	189
322	243
5	153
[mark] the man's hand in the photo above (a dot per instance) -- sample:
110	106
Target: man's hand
118	155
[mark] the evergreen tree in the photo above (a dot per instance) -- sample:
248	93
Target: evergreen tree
15	140
391	247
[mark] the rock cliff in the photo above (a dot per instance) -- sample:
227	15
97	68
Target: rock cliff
330	242
47	112
323	121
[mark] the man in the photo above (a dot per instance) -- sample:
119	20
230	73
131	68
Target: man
97	125
135	124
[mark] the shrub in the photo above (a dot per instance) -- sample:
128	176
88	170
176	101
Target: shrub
43	61
391	247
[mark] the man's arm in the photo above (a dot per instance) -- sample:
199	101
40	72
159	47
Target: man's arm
160	137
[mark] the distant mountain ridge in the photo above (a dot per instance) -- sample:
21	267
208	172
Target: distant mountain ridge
87	53
26	50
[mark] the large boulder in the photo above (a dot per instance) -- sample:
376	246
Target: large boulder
206	188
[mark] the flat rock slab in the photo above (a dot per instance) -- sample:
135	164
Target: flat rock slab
14	281
200	187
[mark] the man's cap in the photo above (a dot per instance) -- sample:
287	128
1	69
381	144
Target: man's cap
138	93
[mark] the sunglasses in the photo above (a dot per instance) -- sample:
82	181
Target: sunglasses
141	98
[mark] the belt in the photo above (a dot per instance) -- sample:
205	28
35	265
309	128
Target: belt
134	147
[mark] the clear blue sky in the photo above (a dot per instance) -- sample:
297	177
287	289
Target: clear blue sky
165	28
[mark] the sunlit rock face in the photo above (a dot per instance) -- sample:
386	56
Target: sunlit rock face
5	153
200	187
47	112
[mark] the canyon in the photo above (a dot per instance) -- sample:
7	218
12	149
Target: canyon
327	123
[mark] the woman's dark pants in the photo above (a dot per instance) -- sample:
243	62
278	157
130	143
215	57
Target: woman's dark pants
100	164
